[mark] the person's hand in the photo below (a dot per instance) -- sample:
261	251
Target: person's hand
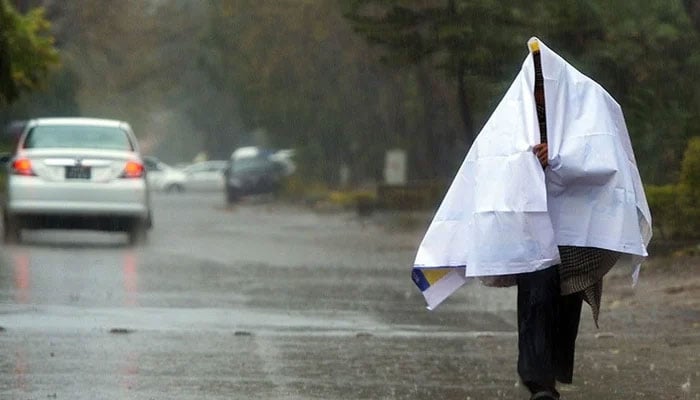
542	154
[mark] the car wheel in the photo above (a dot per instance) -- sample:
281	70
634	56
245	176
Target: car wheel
138	233
231	195
12	230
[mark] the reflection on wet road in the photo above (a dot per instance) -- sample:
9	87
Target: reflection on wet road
21	270
215	289
52	275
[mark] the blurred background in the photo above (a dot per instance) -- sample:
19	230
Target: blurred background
377	97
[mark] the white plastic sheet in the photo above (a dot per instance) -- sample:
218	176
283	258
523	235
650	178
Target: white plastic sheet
504	214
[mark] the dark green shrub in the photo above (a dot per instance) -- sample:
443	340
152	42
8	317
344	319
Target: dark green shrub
689	191
690	166
675	209
419	195
665	213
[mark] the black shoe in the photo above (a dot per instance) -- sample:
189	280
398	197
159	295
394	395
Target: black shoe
544	395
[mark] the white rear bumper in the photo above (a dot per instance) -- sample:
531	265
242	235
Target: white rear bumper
123	197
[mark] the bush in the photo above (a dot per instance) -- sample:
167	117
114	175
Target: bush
689	191
664	209
690	166
295	188
675	209
424	195
321	197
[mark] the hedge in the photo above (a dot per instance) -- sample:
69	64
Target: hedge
675	209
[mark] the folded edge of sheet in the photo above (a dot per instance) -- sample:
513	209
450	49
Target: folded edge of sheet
437	284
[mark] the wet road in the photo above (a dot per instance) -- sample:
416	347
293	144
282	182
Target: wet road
268	302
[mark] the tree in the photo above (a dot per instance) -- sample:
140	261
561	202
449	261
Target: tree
27	54
299	74
631	48
647	57
466	40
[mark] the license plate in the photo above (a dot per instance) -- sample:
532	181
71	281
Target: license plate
78	172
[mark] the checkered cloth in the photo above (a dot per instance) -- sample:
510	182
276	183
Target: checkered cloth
582	270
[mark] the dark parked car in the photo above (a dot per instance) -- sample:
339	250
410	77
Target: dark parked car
253	171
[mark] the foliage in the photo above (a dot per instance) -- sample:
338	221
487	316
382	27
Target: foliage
140	62
27	52
342	81
630	48
457	36
663	204
645	47
637	52
352	198
422	195
689	189
675	208
690	166
303	77
56	98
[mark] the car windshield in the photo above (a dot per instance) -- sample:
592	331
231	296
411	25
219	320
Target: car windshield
78	136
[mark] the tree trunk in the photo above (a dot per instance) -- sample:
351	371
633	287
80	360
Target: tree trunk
692	7
432	141
8	89
464	106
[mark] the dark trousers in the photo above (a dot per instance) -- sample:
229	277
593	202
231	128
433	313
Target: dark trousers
547	328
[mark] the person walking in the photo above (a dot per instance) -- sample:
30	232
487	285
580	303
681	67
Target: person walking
548	199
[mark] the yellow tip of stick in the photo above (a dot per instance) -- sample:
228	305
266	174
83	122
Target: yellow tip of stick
534	45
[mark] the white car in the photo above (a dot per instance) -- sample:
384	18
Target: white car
163	177
205	175
75	173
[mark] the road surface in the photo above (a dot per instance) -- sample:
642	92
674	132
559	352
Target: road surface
270	301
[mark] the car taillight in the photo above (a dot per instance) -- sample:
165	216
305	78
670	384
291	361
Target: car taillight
22	166
133	169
